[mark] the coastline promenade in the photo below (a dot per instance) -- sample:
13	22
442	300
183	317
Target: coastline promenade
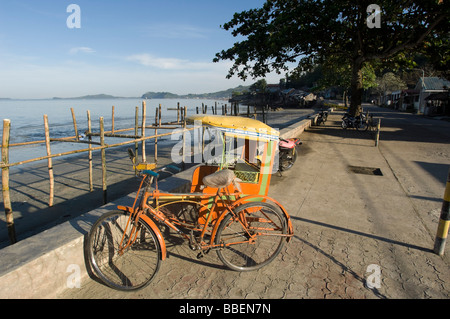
349	228
357	236
29	184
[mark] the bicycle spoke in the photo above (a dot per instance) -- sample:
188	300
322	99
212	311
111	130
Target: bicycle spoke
252	244
122	263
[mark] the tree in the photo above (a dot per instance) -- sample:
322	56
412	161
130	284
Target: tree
389	83
307	33
259	86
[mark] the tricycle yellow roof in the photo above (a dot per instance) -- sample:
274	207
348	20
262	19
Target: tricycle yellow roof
237	125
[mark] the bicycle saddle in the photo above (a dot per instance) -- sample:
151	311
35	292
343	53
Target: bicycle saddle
222	179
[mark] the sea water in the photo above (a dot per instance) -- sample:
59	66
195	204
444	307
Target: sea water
27	120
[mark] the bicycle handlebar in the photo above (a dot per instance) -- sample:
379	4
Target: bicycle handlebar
151	173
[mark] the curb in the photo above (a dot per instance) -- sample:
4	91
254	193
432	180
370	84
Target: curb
44	265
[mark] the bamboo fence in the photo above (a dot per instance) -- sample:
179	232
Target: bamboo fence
133	138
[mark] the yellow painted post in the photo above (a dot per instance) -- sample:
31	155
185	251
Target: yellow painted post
444	221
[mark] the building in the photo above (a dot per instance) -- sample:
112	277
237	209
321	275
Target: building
431	90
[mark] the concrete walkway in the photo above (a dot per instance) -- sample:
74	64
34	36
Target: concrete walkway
356	235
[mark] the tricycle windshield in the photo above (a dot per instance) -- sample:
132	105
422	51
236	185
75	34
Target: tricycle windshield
246	146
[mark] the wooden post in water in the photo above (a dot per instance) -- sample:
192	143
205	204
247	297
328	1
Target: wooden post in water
91	183
74	123
144	115
157	110
5	183
136	132
50	163
112	120
103	152
184	139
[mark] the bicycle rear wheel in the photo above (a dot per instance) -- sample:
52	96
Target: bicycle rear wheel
251	236
126	269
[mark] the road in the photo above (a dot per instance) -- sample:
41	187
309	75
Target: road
356	236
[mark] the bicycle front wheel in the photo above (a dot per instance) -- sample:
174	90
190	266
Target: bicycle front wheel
250	236
124	257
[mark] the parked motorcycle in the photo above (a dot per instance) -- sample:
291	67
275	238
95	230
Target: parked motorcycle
322	117
288	153
359	122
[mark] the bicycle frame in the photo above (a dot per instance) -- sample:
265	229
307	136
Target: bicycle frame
144	211
223	196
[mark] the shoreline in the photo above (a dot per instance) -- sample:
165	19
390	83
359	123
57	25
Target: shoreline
29	183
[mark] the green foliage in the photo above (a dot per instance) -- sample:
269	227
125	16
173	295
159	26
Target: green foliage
334	34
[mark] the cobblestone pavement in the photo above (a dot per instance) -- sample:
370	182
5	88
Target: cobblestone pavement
357	236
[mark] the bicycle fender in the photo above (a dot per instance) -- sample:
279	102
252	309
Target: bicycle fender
245	199
160	237
153	226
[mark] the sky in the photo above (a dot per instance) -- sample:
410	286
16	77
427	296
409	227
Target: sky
116	47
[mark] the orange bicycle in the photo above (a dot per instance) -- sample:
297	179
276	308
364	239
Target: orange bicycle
248	231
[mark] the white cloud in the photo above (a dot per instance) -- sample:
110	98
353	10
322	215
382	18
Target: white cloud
167	63
81	50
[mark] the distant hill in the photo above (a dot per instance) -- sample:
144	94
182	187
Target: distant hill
160	95
226	94
90	97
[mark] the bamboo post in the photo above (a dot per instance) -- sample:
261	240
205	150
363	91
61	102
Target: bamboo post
377	140
74	123
5	183
112	120
50	162
157	110
91	175
184	139
103	153
144	115
136	131
159	125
